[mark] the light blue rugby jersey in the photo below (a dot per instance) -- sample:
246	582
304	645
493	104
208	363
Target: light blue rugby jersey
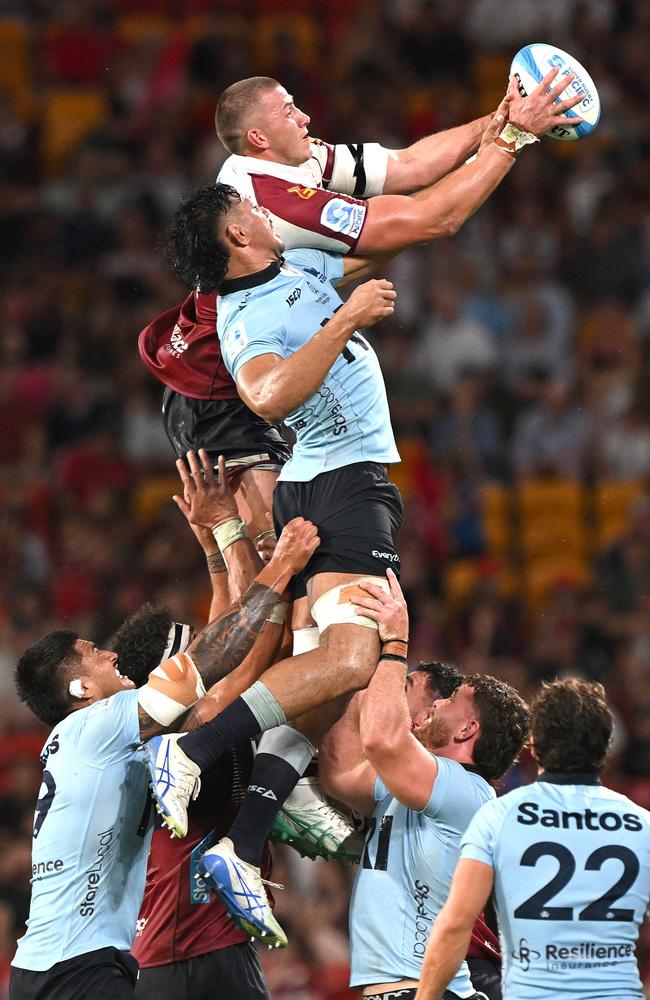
404	877
92	833
572	880
277	311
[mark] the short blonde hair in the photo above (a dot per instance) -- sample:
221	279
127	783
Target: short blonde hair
236	102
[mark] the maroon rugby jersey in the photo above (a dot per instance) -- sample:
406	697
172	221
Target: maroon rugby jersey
178	918
180	347
484	943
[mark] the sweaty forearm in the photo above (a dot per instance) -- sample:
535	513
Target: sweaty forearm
384	718
293	380
226	690
433	157
394	222
222	645
243	564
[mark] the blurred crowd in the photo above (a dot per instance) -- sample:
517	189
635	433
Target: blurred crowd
517	361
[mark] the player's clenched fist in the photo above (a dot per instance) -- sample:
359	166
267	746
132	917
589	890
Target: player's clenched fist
371	302
296	545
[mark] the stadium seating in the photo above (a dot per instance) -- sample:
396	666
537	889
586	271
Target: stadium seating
16	62
497	513
551	518
151	495
68	115
612	504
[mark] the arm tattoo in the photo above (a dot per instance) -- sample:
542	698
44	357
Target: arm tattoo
216	563
191	719
148	726
224	643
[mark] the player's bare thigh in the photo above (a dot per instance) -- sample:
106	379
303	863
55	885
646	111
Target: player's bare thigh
254	496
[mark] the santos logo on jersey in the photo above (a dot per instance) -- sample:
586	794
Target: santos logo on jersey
528	814
343	217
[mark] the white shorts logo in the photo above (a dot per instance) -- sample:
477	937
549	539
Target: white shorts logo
234	341
343	216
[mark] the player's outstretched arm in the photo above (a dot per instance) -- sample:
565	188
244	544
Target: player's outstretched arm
208	503
216	565
402	763
273	386
452	930
432	158
394	222
224	644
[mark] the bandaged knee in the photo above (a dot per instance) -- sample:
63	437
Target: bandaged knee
172	688
305	639
335	607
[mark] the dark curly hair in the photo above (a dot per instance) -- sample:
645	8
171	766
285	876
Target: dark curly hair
571	725
194	250
140	641
504	718
43	673
442	678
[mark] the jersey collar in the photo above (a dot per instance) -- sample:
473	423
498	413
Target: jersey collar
473	769
306	173
569	778
231	285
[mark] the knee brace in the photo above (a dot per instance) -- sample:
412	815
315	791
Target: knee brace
334	607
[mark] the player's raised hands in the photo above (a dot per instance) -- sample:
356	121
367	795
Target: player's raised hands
499	119
296	545
370	302
207	499
537	113
388	610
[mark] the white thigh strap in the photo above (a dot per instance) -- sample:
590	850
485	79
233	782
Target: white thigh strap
334	607
305	639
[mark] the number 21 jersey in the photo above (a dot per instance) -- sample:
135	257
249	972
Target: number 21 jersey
572	881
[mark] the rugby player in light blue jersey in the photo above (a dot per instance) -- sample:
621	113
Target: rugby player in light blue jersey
93	823
421	789
569	860
296	354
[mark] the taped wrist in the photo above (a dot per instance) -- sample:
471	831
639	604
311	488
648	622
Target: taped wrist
172	688
229	532
513	139
278	613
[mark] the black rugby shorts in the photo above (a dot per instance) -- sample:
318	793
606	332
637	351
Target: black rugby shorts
358	513
232	973
222	426
105	974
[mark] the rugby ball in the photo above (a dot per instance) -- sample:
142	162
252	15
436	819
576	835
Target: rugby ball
533	62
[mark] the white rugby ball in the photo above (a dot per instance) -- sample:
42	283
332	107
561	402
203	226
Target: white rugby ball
533	62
